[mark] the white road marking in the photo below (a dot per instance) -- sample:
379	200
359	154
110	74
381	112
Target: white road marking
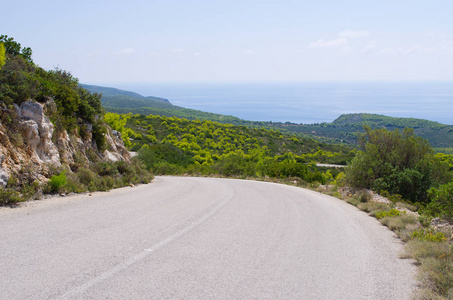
118	268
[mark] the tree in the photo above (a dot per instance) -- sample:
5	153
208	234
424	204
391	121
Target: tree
2	55
441	201
398	162
14	48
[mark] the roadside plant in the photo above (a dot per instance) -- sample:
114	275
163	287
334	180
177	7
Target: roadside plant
57	182
428	235
391	213
9	196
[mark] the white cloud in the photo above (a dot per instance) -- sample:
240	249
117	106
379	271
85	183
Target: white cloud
342	40
153	53
197	54
409	51
387	51
93	54
353	34
321	43
177	50
441	44
125	51
249	52
369	47
399	51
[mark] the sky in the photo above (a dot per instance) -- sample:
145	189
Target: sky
138	41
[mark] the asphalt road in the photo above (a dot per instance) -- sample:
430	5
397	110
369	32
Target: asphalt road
199	238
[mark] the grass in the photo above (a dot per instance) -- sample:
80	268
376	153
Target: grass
436	267
373	206
399	223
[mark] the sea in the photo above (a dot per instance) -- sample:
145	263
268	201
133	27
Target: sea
308	102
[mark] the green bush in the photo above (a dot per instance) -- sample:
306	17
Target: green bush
57	182
397	162
441	201
30	190
147	156
165	168
391	213
428	235
86	176
106	168
124	168
99	132
9	197
74	185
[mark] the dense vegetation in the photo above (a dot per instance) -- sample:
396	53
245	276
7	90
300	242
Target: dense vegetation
394	162
21	79
343	130
76	110
170	145
404	168
112	97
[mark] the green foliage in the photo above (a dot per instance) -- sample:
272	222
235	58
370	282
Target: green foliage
57	182
69	107
399	223
344	128
21	79
86	176
170	145
399	163
14	48
436	266
428	235
441	201
2	55
104	176
9	196
112	97
99	132
391	213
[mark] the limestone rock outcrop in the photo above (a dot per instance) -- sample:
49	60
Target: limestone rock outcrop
33	143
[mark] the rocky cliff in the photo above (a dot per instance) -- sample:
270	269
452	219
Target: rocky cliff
30	145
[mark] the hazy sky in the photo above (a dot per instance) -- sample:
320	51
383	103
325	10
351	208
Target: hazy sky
287	40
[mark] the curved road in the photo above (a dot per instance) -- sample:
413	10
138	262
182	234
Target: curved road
199	238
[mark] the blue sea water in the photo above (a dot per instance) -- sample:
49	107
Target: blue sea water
309	102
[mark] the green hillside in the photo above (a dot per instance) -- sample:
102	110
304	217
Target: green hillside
112	97
170	145
343	130
123	102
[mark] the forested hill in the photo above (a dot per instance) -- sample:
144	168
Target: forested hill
374	120
112	97
345	127
123	102
342	130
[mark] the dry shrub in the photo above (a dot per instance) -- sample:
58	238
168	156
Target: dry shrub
421	249
373	206
398	223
